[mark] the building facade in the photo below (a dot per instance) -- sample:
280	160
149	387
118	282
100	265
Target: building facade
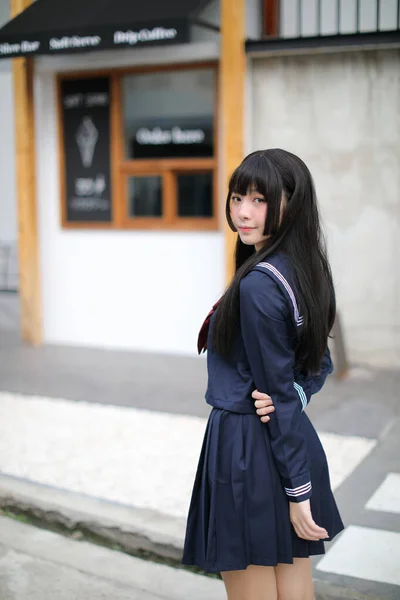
130	184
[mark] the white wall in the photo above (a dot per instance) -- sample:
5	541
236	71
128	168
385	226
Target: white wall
341	114
119	289
8	216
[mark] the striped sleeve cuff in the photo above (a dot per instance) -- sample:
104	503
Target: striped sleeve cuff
302	395
298	493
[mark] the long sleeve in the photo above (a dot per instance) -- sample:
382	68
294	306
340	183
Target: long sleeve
265	322
308	384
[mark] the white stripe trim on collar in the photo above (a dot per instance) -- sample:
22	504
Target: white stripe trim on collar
299	320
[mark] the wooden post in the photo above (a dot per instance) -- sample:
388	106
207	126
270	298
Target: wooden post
26	191
232	93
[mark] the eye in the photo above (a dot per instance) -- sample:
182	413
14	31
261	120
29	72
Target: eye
235	199
259	200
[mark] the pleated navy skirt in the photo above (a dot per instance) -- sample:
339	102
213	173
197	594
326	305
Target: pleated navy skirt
239	512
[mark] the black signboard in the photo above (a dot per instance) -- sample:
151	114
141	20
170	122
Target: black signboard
173	138
95	39
86	129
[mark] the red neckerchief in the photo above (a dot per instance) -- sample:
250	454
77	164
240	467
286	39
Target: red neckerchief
203	333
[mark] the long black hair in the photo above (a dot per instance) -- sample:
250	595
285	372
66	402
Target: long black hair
278	174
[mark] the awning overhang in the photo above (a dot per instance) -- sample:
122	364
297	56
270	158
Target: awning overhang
61	26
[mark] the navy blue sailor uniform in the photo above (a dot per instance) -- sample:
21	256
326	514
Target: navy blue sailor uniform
249	471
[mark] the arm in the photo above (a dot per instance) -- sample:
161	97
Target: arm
305	384
264	313
312	384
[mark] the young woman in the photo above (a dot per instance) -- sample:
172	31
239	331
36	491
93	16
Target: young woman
262	502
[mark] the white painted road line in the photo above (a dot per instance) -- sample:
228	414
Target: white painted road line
365	553
387	497
344	454
122	454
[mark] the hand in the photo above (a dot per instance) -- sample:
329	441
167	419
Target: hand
263	404
303	523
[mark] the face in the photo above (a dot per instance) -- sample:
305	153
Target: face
248	214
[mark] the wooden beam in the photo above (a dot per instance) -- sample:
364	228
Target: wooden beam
271	17
26	192
232	80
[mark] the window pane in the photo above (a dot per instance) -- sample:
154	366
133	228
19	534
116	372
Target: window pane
169	114
195	194
145	196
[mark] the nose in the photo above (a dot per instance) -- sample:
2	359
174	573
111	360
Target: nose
244	209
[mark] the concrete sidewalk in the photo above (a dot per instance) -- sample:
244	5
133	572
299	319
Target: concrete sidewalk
133	530
41	565
136	470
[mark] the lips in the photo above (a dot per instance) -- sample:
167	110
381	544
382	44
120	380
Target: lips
245	229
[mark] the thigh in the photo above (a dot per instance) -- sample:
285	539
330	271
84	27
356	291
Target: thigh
254	583
294	582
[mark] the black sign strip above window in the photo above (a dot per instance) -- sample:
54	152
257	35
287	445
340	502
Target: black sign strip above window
61	26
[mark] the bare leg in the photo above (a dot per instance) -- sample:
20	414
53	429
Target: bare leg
255	583
294	582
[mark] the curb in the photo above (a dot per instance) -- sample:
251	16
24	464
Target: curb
43	565
136	530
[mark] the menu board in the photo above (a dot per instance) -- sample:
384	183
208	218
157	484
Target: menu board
86	139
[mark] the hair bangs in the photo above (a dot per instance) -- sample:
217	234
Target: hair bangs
249	176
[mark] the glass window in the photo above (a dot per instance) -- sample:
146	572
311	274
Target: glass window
144	196
169	114
195	195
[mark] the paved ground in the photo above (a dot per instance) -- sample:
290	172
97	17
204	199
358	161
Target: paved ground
40	565
124	419
9	312
367	554
122	454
